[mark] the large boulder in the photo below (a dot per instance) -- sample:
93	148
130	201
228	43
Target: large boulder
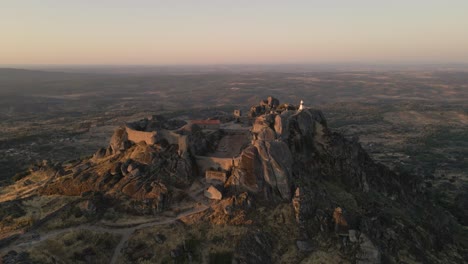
277	166
213	193
272	102
266	134
247	176
259	124
264	167
119	140
264	106
262	129
257	110
281	125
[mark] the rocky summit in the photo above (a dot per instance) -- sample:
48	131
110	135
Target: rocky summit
274	186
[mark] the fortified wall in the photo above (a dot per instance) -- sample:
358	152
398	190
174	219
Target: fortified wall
177	139
227	156
137	136
151	137
207	163
138	132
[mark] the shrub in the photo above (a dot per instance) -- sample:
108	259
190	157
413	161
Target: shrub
221	258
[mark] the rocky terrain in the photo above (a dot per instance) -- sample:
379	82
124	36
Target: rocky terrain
298	192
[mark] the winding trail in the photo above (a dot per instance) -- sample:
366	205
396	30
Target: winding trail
125	231
129	231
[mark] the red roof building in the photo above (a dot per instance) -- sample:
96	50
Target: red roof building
206	124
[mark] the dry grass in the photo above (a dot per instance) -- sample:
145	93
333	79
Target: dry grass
207	240
25	187
73	247
35	208
319	257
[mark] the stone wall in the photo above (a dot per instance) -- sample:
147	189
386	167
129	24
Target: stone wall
138	136
206	163
213	176
174	138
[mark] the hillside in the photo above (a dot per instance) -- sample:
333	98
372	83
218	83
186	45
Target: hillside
291	190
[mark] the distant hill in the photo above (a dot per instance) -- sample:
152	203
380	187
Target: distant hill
21	81
18	74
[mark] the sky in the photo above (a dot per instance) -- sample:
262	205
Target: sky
175	32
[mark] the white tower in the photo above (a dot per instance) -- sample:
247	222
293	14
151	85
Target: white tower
301	107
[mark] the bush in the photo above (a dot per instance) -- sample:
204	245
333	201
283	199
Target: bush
221	258
11	209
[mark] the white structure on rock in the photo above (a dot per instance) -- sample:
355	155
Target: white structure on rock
301	106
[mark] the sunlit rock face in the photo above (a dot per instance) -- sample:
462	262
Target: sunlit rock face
267	165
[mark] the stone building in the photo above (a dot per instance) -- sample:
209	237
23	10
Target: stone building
214	176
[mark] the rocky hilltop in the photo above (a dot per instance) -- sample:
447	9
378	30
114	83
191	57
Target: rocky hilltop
292	190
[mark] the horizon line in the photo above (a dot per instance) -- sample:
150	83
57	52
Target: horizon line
358	63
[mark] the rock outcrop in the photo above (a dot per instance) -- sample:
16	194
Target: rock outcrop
213	193
119	141
267	165
340	198
137	174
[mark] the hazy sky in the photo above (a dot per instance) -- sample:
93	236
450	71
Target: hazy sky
223	32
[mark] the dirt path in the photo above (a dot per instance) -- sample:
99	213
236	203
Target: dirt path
125	232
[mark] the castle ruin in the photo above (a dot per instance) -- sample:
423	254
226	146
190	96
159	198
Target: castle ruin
229	151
